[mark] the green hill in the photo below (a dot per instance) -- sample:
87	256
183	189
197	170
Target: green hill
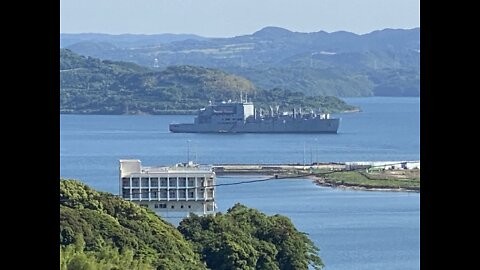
101	231
92	86
104	221
244	238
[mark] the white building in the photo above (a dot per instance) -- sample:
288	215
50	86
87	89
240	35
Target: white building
171	192
383	165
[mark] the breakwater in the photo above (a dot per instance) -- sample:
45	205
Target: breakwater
332	166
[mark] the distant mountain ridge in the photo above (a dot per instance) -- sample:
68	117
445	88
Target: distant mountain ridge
384	62
124	40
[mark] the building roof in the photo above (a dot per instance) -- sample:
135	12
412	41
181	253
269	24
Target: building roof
179	168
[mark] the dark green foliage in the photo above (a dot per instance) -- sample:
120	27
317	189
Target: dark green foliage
391	82
288	100
324	80
101	231
92	86
104	220
244	238
75	257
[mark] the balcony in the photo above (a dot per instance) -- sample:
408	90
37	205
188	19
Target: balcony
154	182
172	182
191	181
144	181
125	182
163	182
135	182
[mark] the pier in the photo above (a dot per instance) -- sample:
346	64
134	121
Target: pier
273	168
329	166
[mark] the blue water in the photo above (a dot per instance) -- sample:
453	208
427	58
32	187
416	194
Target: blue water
354	229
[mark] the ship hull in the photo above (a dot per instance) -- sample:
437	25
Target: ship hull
296	126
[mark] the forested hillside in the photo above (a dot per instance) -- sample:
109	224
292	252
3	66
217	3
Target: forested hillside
92	86
101	231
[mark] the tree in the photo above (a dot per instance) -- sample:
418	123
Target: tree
245	238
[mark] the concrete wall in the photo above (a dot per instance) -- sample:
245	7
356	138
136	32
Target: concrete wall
129	166
174	208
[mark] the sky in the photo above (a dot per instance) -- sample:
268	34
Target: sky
228	18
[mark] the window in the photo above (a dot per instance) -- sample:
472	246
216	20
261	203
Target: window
189	206
172	206
191	181
135	182
154	182
160	205
154	194
181	206
125	182
172	182
163	181
144	181
210	181
182	181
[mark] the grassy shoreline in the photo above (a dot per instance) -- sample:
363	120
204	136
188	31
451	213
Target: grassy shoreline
389	180
400	180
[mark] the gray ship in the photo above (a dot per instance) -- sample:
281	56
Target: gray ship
242	117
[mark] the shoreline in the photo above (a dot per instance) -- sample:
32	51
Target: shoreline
351	111
321	182
348	186
166	112
342	176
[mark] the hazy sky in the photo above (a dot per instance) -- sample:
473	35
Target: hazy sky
227	18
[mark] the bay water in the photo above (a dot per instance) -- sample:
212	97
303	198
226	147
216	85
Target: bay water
354	229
